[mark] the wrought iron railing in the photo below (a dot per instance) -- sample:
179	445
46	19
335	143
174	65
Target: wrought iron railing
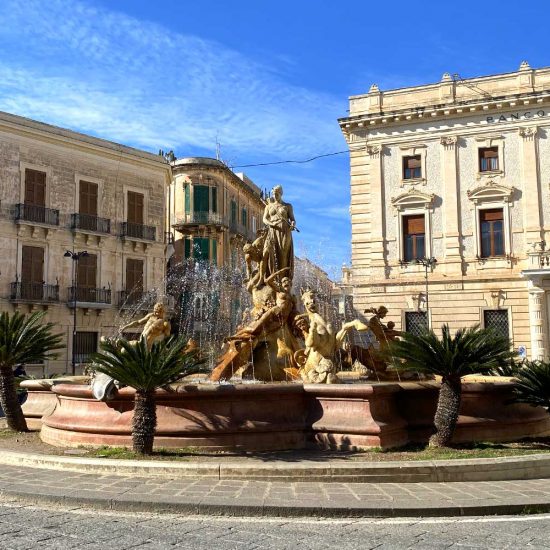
36	214
206	218
134	298
34	292
88	222
89	295
138	231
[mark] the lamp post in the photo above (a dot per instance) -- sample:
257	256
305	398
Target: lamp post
75	257
428	263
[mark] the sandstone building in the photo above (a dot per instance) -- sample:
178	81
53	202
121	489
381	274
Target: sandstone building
457	172
65	192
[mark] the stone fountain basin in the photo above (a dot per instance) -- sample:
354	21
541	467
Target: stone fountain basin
261	417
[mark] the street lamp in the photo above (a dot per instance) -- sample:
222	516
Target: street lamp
428	263
75	256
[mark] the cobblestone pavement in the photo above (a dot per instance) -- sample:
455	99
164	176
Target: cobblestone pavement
51	528
243	497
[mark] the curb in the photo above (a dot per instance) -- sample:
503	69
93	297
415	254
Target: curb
536	466
257	508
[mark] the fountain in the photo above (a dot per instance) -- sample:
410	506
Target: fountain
275	384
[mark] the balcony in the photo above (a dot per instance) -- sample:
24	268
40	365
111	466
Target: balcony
34	292
36	214
130	230
193	220
92	297
132	299
88	222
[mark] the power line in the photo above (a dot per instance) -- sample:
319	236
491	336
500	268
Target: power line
290	161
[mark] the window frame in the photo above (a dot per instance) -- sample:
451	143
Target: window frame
405	159
99	182
414	150
23	166
480	159
492	233
488	142
508	310
404	235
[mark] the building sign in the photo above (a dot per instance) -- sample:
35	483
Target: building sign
509	117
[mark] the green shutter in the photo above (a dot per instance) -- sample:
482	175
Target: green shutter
187	191
200	248
233	212
200	198
214	252
243	217
214	199
187	248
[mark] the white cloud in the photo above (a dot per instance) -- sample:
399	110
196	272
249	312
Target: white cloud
110	74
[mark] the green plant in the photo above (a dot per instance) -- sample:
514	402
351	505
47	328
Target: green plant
470	351
22	340
533	384
145	370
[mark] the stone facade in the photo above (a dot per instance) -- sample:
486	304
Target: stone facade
41	220
210	201
467	161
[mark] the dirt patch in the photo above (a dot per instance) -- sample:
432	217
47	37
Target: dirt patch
30	442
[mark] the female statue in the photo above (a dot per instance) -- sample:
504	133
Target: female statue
278	250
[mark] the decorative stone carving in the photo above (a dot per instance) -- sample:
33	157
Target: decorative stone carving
490	192
449	141
528	132
497	298
374	150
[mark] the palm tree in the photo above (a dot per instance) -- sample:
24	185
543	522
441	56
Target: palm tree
22	340
533	384
145	370
470	351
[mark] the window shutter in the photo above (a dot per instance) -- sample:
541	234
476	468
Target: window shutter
413	162
35	187
32	264
187	193
494	214
134	275
414	225
88	195
87	271
200	198
135	207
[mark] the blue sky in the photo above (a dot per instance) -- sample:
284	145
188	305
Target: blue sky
267	79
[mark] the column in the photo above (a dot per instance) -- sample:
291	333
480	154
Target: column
537	320
532	225
451	203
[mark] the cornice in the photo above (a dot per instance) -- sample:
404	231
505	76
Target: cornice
410	115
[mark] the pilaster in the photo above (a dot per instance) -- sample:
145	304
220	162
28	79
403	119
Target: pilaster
531	193
451	202
375	155
537	321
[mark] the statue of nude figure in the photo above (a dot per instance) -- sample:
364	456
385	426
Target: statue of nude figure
156	328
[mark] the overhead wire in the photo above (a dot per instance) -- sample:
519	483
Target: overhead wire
290	161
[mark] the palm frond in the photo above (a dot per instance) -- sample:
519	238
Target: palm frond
533	384
469	351
134	365
25	340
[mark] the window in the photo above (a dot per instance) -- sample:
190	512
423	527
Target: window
187	248
491	225
86	278
488	159
244	217
135	208
412	167
134	276
254	224
200	248
35	187
187	198
233	212
497	319
214	199
414	237
32	272
416	322
200	198
85	343
87	205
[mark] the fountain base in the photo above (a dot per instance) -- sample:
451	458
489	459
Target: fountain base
264	417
